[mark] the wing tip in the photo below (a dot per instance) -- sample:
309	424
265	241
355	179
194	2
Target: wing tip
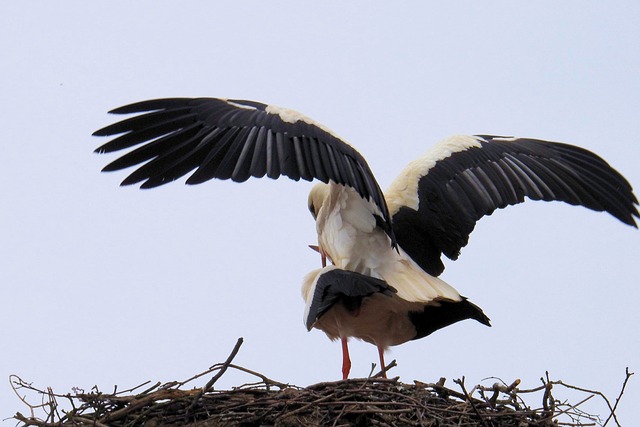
100	132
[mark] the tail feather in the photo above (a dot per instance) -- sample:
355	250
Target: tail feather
444	313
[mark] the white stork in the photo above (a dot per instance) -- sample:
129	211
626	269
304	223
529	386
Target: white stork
386	248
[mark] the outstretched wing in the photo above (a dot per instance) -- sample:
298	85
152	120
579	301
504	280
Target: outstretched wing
437	200
232	139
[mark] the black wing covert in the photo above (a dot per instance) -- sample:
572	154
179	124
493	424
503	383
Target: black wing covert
465	185
334	285
232	139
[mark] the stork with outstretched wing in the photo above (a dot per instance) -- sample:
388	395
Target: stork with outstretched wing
385	248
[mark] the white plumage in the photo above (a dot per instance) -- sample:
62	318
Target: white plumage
349	236
403	191
385	248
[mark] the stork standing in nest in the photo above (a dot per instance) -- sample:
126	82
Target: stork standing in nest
385	249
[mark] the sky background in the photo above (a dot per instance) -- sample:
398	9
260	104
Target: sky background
103	285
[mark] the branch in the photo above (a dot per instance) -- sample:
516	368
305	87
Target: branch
460	382
613	410
215	378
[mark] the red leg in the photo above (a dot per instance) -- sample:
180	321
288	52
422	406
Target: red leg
382	365
346	361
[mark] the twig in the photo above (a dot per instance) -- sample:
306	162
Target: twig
384	369
615	406
460	382
215	378
17	383
572	407
548	402
267	381
132	388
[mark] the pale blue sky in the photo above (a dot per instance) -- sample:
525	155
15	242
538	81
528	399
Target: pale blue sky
107	285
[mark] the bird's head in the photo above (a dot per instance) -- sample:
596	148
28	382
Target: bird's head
317	196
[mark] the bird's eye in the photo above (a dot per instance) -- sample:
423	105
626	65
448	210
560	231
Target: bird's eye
312	209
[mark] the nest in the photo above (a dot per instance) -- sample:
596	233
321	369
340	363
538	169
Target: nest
356	402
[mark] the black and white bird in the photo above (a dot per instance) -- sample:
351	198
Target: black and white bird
385	248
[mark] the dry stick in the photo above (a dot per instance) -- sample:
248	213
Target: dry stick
179	384
353	381
498	388
613	410
566	411
547	398
147	390
384	369
216	367
53	405
460	382
88	421
378	376
137	403
215	378
267	381
18	383
586	390
442	390
310	404
599	393
339	417
135	388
